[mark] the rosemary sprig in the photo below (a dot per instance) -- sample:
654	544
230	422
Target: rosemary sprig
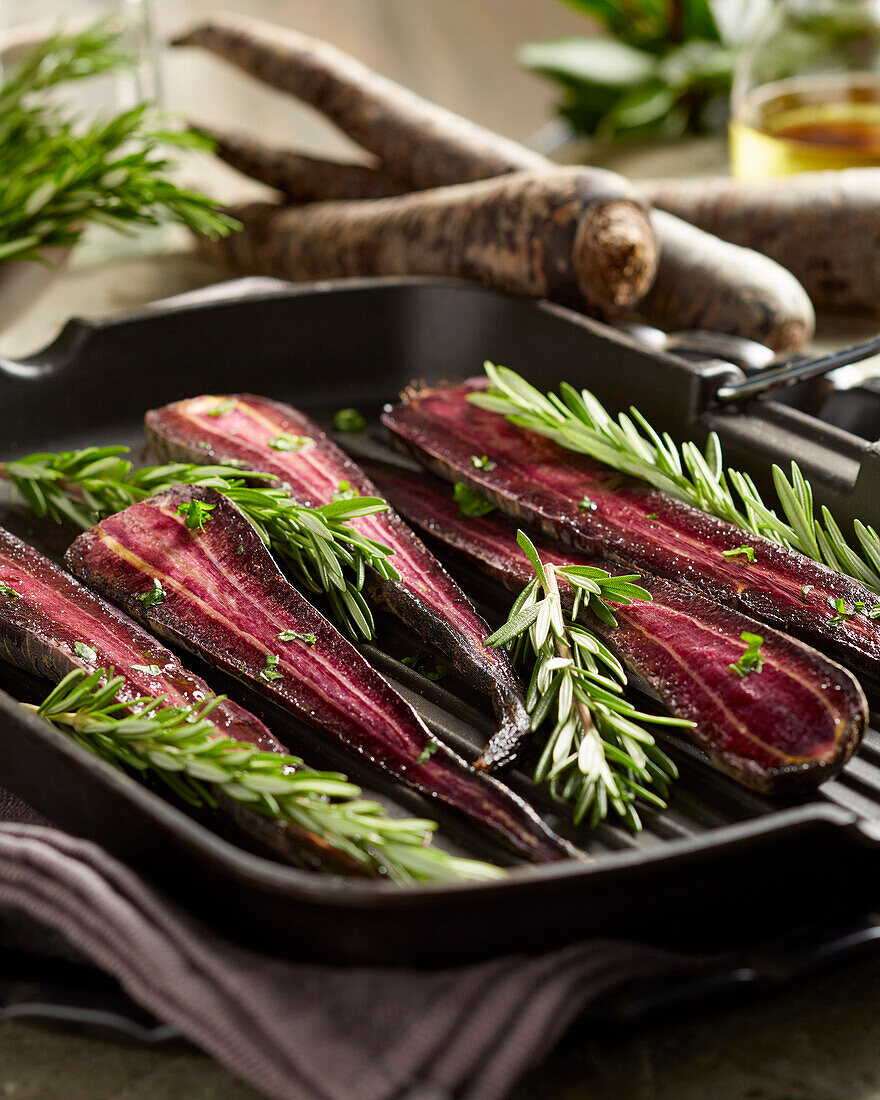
316	545
579	422
60	173
182	746
597	755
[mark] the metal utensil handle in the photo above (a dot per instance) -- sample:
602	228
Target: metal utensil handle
798	372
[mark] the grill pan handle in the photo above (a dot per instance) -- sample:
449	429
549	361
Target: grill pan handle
800	370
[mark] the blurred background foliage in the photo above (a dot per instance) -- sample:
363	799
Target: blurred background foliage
659	67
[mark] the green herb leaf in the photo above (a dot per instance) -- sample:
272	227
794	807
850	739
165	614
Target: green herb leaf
222	409
427	752
294	636
586	505
151	670
196	513
286	442
84	651
349	420
751	660
749	552
425	664
271	671
8	592
471	503
154	596
482	462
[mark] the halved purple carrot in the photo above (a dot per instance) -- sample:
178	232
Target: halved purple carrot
227	601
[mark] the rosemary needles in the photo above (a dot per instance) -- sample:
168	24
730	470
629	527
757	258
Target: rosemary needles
597	755
316	545
579	422
183	747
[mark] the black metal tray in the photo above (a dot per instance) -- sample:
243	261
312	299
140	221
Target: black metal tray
720	868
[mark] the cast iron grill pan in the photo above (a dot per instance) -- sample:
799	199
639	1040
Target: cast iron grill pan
722	868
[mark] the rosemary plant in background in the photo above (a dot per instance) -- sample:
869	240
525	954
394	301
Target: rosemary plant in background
181	746
60	173
577	421
316	545
662	67
597	755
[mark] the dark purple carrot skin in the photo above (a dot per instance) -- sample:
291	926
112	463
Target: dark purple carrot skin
228	602
539	482
786	728
426	598
52	611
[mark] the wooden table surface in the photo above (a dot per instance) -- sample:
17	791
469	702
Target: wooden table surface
817	1041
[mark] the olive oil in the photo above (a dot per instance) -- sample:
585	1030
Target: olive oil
807	124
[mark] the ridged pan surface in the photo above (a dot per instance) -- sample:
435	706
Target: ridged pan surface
721	867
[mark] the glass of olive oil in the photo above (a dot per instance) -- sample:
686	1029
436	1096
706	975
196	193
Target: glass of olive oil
806	92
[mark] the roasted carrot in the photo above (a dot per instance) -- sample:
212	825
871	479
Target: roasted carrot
422	145
567	235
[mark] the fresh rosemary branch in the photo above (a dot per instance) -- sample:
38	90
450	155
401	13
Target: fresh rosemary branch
597	756
181	745
60	174
316	545
579	422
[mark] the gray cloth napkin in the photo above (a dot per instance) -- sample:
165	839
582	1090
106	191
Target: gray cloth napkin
297	1031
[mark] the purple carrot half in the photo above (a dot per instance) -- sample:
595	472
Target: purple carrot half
788	727
51	624
624	521
227	601
272	437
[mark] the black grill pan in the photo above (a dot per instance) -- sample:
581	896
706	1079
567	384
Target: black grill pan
722	868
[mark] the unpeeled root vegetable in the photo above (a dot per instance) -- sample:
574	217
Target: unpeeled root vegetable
824	226
298	177
419	145
569	236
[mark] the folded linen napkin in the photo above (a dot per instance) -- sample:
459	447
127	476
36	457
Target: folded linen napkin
292	1030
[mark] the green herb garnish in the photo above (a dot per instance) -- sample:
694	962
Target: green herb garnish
749	552
345	491
751	660
285	442
151	670
154	596
425	664
85	651
427	752
805	590
586	505
482	462
8	592
578	421
294	636
196	513
221	410
471	503
597	754
270	671
349	420
183	747
317	546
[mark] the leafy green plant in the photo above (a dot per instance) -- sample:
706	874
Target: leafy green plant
663	67
61	173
